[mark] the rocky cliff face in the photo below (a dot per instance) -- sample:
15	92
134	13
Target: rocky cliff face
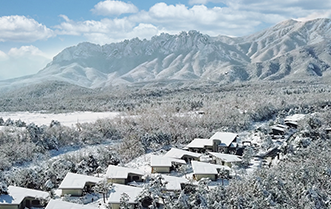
290	49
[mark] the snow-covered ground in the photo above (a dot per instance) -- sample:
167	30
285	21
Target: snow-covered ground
67	119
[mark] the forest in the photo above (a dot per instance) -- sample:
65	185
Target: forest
161	116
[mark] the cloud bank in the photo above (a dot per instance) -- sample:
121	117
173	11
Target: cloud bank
22	61
22	29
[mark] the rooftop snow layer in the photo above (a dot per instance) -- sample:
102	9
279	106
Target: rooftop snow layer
163	161
117	172
200	143
174	183
206	168
77	181
178	153
17	194
226	138
118	190
226	157
59	204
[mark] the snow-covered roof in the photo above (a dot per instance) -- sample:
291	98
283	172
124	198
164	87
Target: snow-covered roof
118	189
226	138
278	128
295	117
178	153
206	168
59	204
117	172
77	181
226	157
17	194
174	183
163	161
200	143
282	126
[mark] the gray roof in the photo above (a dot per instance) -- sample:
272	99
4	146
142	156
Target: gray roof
162	161
59	204
77	181
117	172
178	153
118	189
226	138
226	157
17	194
206	168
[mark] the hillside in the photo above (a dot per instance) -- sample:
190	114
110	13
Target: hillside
290	49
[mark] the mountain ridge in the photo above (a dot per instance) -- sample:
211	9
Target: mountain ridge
290	49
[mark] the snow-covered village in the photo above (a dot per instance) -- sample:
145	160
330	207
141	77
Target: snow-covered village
191	175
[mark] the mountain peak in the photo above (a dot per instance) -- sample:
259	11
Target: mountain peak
290	48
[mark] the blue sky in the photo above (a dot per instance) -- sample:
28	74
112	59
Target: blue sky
33	31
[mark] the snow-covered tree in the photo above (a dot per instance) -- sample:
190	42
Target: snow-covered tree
103	188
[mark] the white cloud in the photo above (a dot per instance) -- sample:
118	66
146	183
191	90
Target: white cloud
237	18
192	2
3	56
26	51
22	29
22	61
110	8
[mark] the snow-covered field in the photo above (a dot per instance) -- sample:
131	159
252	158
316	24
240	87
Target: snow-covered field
67	119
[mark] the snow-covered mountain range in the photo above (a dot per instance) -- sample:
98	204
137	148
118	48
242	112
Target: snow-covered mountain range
290	49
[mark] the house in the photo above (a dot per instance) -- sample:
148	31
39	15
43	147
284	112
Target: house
123	175
226	142
279	129
200	145
19	198
291	124
118	190
225	159
175	183
183	154
206	170
162	164
59	204
75	184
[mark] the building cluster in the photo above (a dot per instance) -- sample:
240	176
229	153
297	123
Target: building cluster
207	157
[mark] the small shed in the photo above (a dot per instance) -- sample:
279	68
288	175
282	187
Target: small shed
118	190
206	170
75	184
183	154
19	198
225	159
162	164
123	175
59	204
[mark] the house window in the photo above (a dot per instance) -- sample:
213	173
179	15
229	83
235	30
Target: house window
135	178
35	202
